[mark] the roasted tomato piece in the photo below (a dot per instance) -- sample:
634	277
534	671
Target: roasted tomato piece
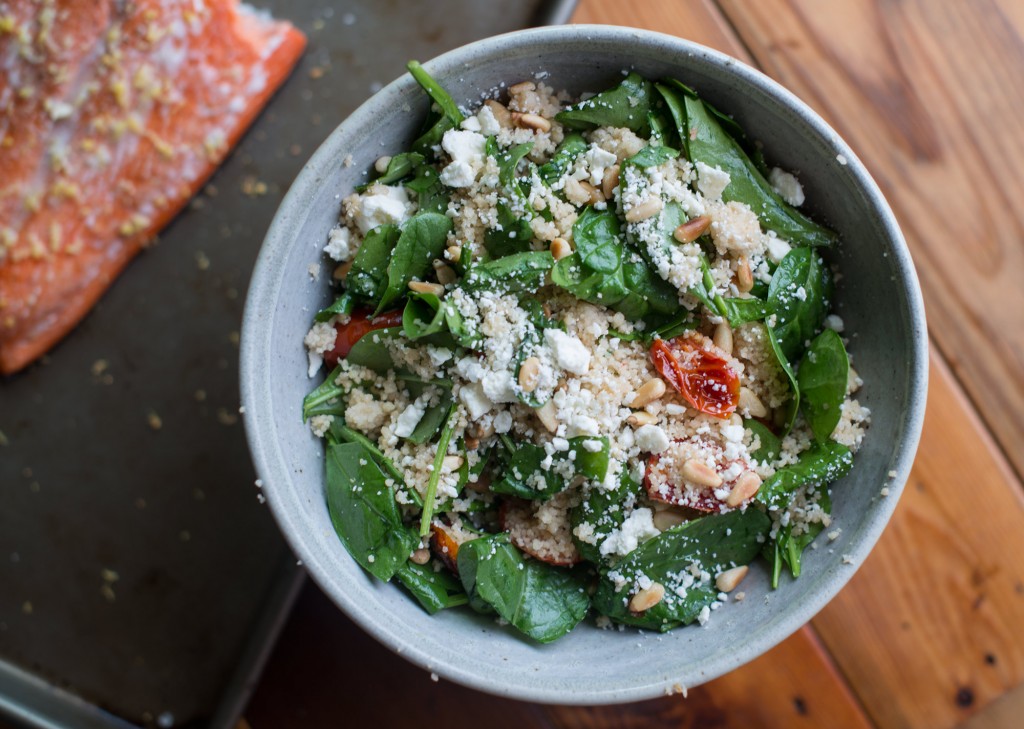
699	372
663	483
444	542
359	324
526	531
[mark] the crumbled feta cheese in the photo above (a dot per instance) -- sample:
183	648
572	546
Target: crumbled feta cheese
651	438
834	323
476	402
598	161
635	530
338	243
489	125
410	417
711	181
466	149
788	187
569	352
777	249
503	422
384	204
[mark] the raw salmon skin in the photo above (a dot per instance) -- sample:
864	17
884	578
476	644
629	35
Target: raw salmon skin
112	115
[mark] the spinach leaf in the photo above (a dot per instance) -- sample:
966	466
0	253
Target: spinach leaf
512	236
367	278
518	273
431	194
319	401
341	433
770	444
429	498
625	105
507	159
525	477
651	156
436	92
673	99
604	512
713	543
822	463
434	590
711	144
571	147
793	406
741	311
789	549
364	513
822	379
422	240
597	240
542	601
426	316
799	294
344	304
432	420
371	350
401	166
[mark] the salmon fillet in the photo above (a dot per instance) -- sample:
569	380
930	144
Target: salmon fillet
113	113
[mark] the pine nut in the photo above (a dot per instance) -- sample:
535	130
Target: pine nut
647	209
752	404
531	121
647	598
420	556
648	393
575	192
744	277
445	275
610	181
381	165
341	272
730	579
560	248
422	287
641	417
529	374
594	195
667	519
454	253
548	416
701	474
500	112
450	464
723	337
692	229
745	488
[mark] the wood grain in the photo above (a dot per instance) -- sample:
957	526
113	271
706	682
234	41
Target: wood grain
792	686
928	631
931	96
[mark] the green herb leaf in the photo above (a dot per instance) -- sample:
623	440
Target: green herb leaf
822	463
541	601
712	543
344	304
625	105
422	240
651	156
429	498
518	273
364	513
371	350
822	379
431	194
400	167
435	590
325	399
367	278
525	477
799	295
742	311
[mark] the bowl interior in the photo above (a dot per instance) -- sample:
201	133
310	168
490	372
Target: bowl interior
878	299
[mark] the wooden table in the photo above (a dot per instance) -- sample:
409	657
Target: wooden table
928	633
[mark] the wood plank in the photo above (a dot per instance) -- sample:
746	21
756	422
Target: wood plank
928	630
931	96
790	687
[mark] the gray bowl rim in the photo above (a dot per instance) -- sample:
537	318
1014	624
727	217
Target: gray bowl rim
266	286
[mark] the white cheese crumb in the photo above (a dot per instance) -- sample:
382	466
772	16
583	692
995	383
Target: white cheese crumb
476	402
635	530
651	438
385	204
841	159
410	417
777	249
788	187
712	181
338	243
503	422
834	323
570	354
466	149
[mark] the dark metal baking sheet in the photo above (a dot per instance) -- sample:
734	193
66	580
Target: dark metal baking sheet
141	582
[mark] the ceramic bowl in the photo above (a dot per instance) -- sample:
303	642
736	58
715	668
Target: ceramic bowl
878	298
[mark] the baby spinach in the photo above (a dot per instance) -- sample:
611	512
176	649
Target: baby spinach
507	159
431	194
517	273
525	477
432	420
436	92
435	590
371	350
788	549
367	278
769	444
597	240
532	337
651	156
430	496
822	379
364	513
603	511
325	399
399	167
341	433
427	317
624	105
712	543
709	143
421	241
542	601
513	234
793	404
822	463
344	304
799	294
571	147
741	311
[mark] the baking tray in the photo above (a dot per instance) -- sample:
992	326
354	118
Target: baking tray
141	581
